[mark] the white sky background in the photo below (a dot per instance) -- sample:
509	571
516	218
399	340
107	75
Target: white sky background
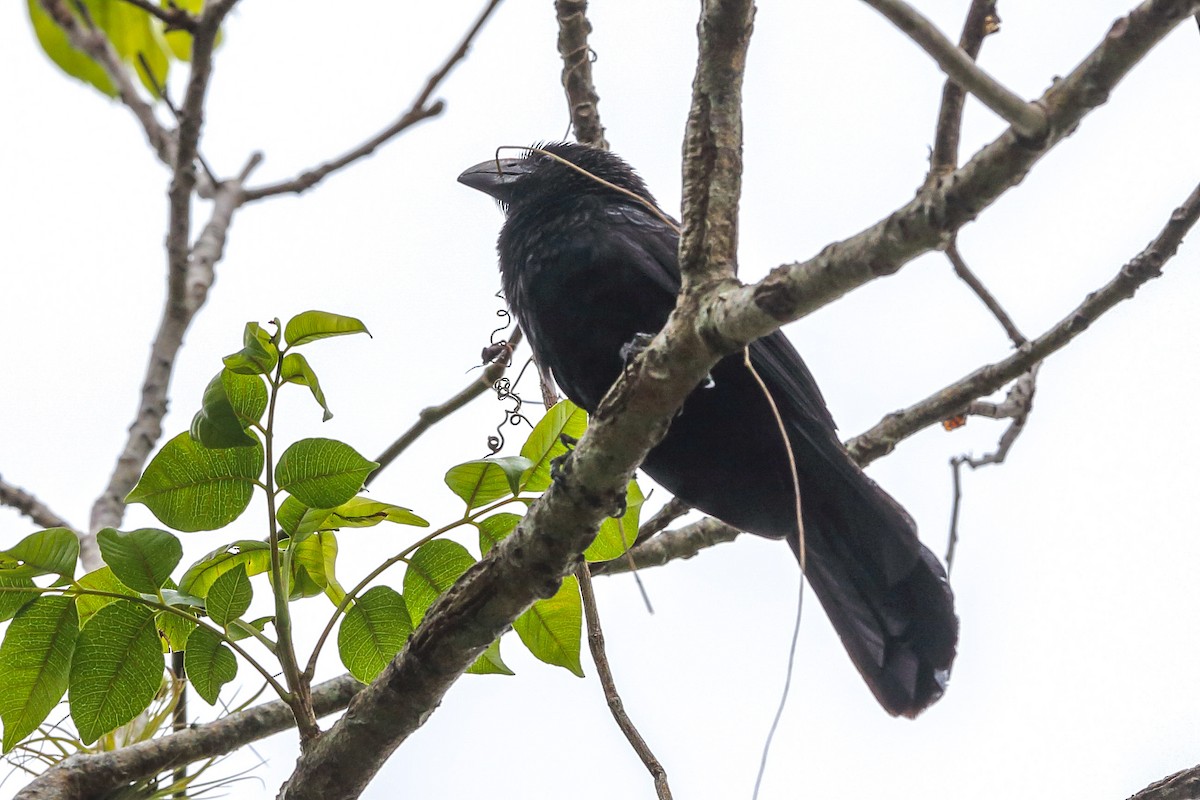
1076	576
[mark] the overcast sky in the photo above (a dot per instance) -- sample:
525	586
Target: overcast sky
1076	575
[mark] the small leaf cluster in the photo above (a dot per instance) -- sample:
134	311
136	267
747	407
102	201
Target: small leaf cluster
137	38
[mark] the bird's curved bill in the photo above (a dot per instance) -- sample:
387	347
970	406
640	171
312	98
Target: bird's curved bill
496	176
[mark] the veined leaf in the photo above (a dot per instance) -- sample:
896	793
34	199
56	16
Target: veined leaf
552	628
35	662
312	325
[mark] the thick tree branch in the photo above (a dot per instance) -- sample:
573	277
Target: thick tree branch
791	291
712	146
956	397
420	109
1183	785
86	776
1027	119
30	506
573	30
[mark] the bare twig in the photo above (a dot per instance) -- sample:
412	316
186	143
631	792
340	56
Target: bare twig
573	30
30	506
95	44
432	415
1017	406
981	21
963	271
1146	265
174	17
420	109
1027	119
611	695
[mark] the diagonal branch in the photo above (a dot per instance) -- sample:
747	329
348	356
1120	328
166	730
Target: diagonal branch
30	506
432	415
1026	118
573	30
420	109
172	16
927	222
972	280
1146	265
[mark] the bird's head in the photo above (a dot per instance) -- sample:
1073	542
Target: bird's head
558	169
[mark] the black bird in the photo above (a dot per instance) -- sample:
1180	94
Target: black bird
586	269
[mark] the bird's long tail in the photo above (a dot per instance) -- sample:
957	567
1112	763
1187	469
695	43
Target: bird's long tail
885	593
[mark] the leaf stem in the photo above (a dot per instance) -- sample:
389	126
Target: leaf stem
298	684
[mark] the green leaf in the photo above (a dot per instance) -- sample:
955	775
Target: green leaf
299	521
433	569
11	600
544	443
116	671
35	662
313	566
52	551
552	628
180	42
251	553
297	370
54	42
129	30
258	355
373	631
490	663
312	325
494	528
231	403
240	630
322	473
487	480
174	629
101	580
208	663
229	596
190	487
141	559
617	535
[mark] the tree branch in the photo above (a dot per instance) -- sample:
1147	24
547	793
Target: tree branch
1183	785
968	277
1027	119
611	695
420	109
573	30
30	506
671	545
742	314
432	415
981	21
174	17
187	290
894	428
89	775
